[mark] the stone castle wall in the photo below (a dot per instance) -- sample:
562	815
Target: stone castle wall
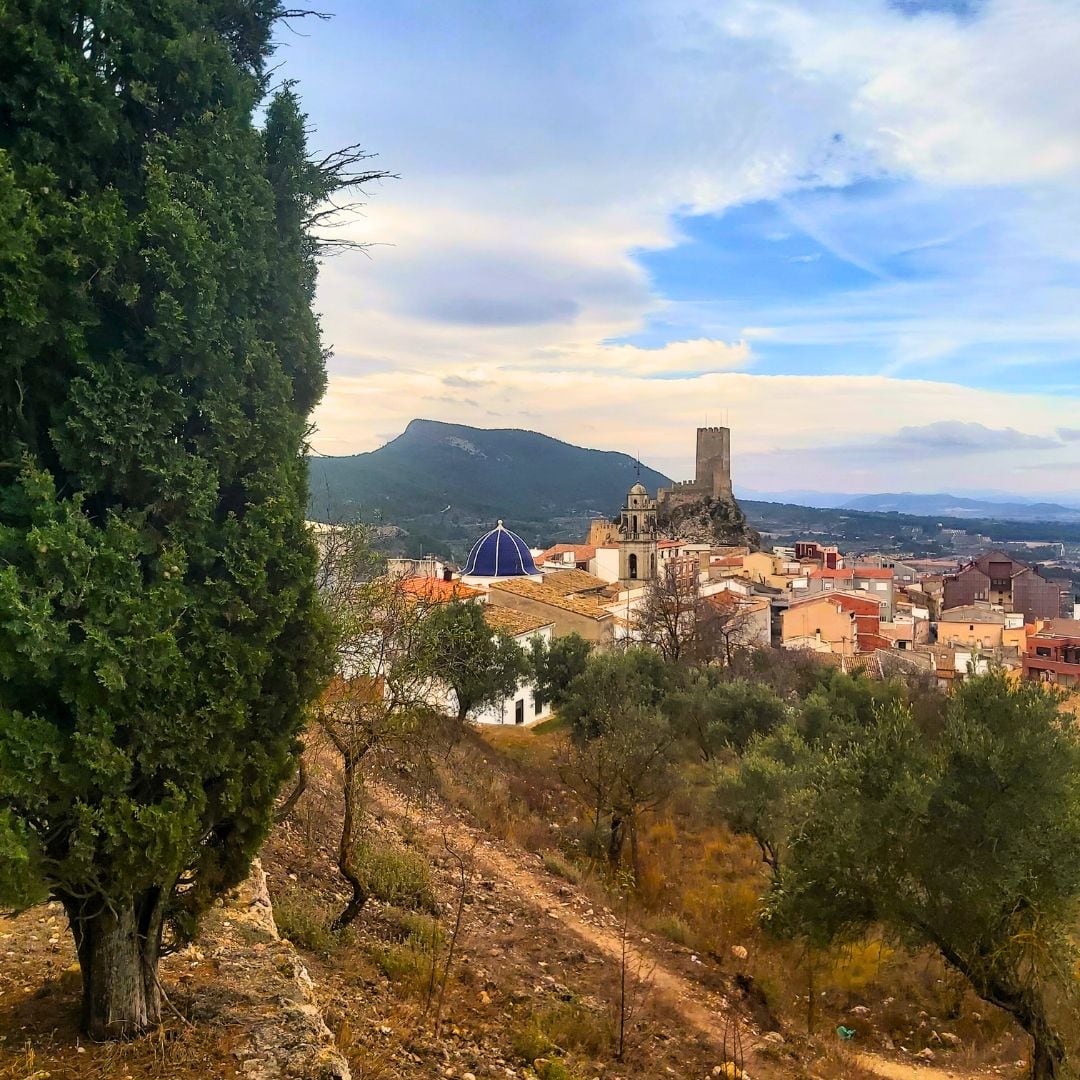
713	472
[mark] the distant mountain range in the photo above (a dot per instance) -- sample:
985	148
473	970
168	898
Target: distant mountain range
1003	507
442	484
445	482
957	506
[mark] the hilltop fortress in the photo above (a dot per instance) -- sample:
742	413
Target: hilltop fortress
713	473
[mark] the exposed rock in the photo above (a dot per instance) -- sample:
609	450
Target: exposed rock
709	521
264	989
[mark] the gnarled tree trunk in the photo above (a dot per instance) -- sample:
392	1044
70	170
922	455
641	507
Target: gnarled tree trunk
118	946
346	846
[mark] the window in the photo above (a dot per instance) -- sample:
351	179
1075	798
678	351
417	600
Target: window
538	705
631	566
519	711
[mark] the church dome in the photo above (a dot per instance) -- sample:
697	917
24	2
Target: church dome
500	553
639	489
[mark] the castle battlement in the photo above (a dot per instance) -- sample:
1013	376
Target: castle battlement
712	478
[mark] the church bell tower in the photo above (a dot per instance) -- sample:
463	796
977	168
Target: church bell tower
637	537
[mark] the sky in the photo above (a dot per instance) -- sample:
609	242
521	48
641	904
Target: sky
848	229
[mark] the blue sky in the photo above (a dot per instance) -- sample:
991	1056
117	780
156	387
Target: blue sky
849	228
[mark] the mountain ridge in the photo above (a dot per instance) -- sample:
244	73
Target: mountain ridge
444	482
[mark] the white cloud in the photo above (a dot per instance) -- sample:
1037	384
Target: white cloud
541	148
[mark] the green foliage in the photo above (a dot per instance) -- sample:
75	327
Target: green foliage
304	920
758	797
841	707
610	684
714	712
160	632
967	840
554	665
562	1027
481	668
394	876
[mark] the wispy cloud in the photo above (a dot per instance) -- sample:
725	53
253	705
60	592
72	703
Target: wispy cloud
926	150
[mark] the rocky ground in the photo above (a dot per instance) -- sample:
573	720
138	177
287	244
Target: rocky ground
532	988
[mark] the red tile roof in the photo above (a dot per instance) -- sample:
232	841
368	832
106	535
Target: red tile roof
874	572
437	590
857	605
582	552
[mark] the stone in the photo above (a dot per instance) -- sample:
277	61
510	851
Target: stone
926	1055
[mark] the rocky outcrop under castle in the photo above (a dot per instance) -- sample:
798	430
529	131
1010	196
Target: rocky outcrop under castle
709	521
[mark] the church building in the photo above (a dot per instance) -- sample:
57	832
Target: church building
637	538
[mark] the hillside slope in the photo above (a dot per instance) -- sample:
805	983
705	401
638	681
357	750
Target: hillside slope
443	482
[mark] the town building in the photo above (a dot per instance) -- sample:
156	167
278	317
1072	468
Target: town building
525	705
810	551
997	578
980	626
567	612
564	556
1053	653
870	579
838	622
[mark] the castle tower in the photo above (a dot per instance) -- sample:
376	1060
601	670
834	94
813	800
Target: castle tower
637	537
714	461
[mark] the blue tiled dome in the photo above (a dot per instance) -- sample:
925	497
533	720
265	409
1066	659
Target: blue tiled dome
499	553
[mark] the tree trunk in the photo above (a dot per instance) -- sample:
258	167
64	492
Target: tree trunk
345	863
615	840
293	798
1048	1049
1025	1004
118	949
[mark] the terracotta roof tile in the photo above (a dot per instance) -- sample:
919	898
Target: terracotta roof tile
544	594
437	590
512	622
581	552
574	581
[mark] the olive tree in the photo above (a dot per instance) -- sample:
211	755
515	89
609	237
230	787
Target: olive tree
964	837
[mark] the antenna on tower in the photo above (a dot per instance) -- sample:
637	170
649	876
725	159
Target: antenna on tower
637	463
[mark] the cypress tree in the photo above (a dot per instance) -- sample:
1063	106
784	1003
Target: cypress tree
160	631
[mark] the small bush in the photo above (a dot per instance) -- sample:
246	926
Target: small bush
555	864
304	920
567	1026
550	725
552	1069
421	931
529	1042
396	877
674	928
409	962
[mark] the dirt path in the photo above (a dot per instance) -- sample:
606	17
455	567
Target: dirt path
697	1005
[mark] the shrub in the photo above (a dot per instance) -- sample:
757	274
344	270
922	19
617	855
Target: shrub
560	867
567	1026
304	920
396	877
674	928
